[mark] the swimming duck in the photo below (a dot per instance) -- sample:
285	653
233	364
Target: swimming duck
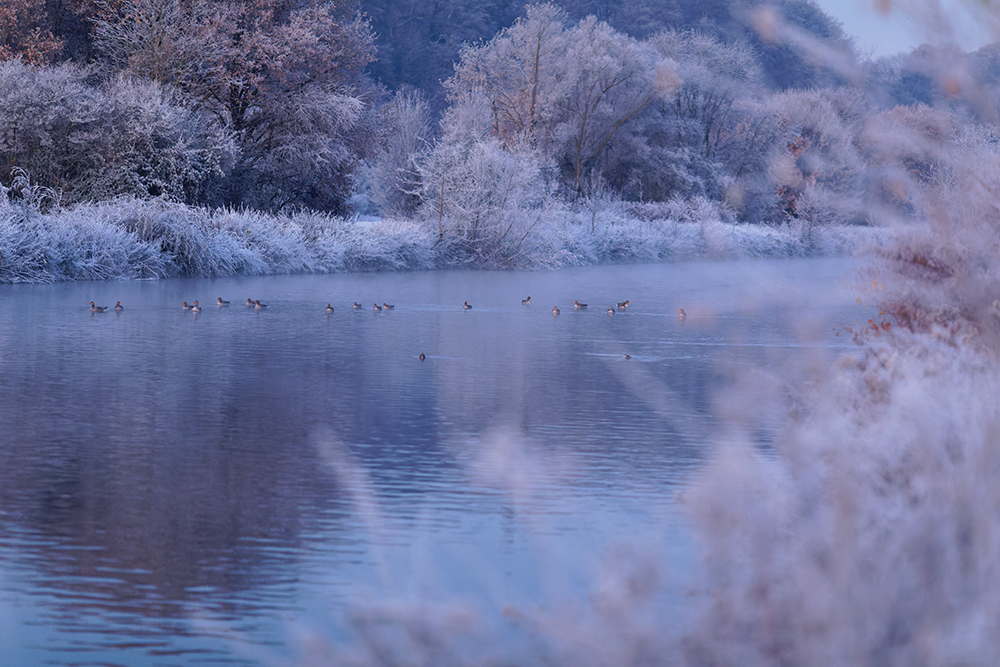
388	306
526	302
578	305
196	308
623	304
250	303
257	305
97	309
220	302
186	305
611	311
376	308
628	356
119	307
466	306
422	357
357	306
555	310
329	308
681	314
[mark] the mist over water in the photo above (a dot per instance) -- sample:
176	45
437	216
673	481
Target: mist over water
283	486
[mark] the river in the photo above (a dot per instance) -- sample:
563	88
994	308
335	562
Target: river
243	486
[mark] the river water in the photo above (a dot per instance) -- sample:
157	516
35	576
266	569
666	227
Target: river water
286	485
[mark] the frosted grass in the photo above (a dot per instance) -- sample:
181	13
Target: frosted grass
130	239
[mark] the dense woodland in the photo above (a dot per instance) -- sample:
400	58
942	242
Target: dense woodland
482	122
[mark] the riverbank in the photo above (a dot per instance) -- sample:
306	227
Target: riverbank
130	239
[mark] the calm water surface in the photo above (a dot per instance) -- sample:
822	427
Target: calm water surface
234	486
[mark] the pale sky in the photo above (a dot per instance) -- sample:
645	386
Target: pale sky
899	30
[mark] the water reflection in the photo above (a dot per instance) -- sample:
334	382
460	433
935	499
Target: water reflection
163	472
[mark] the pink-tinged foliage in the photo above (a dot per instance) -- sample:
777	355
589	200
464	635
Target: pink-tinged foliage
869	534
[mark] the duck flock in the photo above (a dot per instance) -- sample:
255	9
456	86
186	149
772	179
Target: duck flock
255	304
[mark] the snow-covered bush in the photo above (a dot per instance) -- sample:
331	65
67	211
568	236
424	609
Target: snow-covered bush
487	199
149	145
869	533
96	142
49	118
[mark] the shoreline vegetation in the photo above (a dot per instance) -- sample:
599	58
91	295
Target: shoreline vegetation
148	139
131	239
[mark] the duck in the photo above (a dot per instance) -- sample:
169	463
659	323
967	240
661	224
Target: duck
555	310
329	308
97	309
579	306
186	305
624	304
357	306
250	303
257	305
526	302
422	356
119	307
466	306
388	306
681	314
220	302
196	308
611	311
628	356
376	308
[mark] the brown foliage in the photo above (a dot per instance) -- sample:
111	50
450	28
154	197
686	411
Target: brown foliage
24	32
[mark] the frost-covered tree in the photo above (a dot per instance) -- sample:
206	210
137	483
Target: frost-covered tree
710	138
567	91
283	77
615	78
485	196
818	167
48	118
405	133
519	74
173	42
716	82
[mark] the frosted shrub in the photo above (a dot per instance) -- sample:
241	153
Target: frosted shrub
870	538
22	250
92	143
488	199
869	534
386	245
49	118
152	146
